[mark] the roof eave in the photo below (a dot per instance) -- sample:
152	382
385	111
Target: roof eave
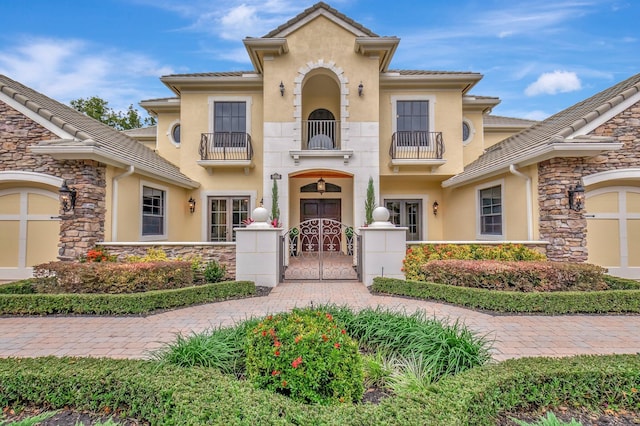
91	151
383	47
462	81
179	83
545	152
274	46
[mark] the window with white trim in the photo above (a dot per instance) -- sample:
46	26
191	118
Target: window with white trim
490	200
230	121
225	214
153	211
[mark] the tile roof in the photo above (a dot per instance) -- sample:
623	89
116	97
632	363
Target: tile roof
552	131
212	74
89	132
430	72
500	121
149	131
309	11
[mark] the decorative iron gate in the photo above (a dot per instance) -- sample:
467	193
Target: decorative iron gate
320	249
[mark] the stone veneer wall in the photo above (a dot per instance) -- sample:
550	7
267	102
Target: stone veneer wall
566	230
224	253
82	227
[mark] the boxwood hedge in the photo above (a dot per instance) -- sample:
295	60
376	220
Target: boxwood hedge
16	299
552	303
171	395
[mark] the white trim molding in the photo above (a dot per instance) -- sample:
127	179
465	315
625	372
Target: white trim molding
610	175
19	176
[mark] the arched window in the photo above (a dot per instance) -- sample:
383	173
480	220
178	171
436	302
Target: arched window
321	129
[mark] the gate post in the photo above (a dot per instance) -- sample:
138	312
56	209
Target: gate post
257	251
383	248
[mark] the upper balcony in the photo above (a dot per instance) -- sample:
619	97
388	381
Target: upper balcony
320	138
416	148
226	150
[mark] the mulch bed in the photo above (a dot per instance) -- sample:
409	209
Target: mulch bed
584	416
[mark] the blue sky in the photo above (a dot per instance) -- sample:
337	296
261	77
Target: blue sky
539	57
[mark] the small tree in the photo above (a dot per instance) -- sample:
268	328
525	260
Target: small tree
275	209
369	203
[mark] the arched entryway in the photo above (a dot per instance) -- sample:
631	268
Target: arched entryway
320	242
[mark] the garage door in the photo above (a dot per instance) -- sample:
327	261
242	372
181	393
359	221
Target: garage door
29	230
613	229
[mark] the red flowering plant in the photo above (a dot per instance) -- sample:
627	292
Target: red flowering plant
97	254
307	355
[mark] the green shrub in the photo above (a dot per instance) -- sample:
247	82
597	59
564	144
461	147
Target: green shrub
552	303
172	395
122	304
112	278
306	355
516	276
221	348
214	272
18	287
418	255
617	283
446	349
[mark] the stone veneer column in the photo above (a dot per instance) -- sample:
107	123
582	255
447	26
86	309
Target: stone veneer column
83	227
565	229
384	247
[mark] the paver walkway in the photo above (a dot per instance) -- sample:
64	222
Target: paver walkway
134	337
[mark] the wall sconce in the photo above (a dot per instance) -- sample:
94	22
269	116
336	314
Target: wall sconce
276	176
321	186
281	88
435	208
360	89
67	197
192	205
576	197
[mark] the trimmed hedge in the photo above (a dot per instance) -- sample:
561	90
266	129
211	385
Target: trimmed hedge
111	277
551	303
121	304
170	395
516	276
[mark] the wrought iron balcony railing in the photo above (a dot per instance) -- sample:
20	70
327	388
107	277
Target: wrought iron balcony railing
226	146
417	145
320	134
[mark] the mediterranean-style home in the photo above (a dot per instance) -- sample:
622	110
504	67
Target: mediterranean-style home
319	121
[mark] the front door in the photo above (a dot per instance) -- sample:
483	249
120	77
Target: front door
326	209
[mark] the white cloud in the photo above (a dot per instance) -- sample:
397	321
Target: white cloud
551	83
67	69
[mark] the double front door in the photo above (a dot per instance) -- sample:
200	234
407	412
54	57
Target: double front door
326	209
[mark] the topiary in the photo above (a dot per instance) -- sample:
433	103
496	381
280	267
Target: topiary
306	355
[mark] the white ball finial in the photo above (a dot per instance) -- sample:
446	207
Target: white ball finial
260	218
381	218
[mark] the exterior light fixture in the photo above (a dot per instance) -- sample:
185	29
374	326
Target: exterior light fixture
435	208
67	197
192	205
281	88
360	89
276	176
576	197
321	186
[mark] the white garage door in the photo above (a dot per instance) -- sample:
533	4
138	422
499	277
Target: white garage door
29	230
613	229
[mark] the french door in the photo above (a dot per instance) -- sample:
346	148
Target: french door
407	213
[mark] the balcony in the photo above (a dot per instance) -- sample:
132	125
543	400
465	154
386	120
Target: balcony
416	148
226	150
320	138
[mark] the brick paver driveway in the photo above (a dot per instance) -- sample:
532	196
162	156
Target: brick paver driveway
133	337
